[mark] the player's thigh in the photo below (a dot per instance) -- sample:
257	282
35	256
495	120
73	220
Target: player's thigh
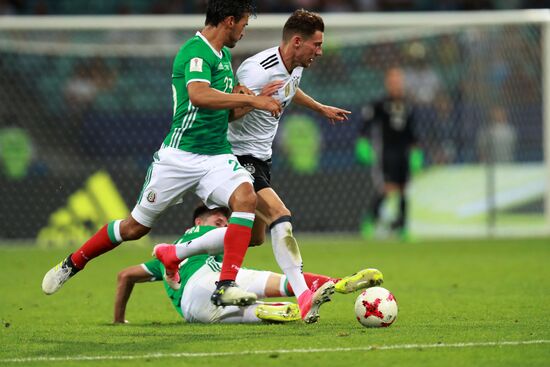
224	174
270	206
172	173
259	169
195	302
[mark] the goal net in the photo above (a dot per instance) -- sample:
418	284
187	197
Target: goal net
86	101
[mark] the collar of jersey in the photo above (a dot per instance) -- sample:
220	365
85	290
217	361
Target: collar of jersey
219	54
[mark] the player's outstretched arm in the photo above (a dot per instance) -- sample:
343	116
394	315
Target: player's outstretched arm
268	90
202	96
332	113
125	284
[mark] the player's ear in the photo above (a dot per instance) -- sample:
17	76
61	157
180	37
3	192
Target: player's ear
296	41
230	21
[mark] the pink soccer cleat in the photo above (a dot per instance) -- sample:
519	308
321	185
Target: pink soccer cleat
166	254
310	301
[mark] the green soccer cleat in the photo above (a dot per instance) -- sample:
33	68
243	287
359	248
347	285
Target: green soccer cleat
365	278
278	312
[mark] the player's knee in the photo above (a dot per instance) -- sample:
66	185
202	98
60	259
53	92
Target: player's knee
132	230
278	213
243	199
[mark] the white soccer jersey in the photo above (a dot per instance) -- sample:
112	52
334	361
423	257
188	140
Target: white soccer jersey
253	134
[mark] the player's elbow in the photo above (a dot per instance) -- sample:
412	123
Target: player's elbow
197	100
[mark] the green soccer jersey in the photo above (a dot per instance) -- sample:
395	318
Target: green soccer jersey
200	130
189	266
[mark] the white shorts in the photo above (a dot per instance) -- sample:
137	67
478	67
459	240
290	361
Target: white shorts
195	301
174	172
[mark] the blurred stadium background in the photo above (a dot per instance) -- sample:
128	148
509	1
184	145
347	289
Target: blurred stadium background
85	101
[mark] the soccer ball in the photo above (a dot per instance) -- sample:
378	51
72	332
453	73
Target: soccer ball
376	307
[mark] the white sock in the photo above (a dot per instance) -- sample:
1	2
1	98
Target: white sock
209	243
287	254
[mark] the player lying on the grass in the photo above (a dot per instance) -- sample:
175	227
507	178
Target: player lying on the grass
276	71
199	273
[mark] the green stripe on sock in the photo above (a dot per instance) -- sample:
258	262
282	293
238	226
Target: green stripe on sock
285	287
241	222
111	231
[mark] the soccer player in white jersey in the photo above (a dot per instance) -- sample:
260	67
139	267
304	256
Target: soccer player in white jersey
195	155
198	273
251	137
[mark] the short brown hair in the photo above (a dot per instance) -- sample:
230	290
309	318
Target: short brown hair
303	22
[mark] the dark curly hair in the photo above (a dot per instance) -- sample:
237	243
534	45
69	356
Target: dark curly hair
218	10
303	22
203	212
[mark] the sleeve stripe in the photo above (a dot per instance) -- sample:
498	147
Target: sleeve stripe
153	278
198	80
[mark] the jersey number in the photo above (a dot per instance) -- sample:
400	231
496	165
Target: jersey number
228	84
236	165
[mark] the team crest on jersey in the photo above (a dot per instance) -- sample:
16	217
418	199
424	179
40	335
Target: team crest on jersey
287	90
151	196
196	65
250	168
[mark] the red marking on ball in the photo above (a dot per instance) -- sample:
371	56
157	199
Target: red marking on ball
372	308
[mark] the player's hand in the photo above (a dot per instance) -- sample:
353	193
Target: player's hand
268	104
271	88
334	114
241	89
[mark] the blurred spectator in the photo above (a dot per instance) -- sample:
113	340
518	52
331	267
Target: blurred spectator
337	6
87	80
396	5
442	147
421	81
496	142
367	5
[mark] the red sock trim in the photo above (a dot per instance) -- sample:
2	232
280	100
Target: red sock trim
98	244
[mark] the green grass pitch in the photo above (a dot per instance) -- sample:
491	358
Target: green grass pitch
461	303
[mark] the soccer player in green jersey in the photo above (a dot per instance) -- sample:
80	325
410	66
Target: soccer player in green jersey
195	156
278	69
198	273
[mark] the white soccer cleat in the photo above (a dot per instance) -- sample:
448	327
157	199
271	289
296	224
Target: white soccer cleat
229	294
57	276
